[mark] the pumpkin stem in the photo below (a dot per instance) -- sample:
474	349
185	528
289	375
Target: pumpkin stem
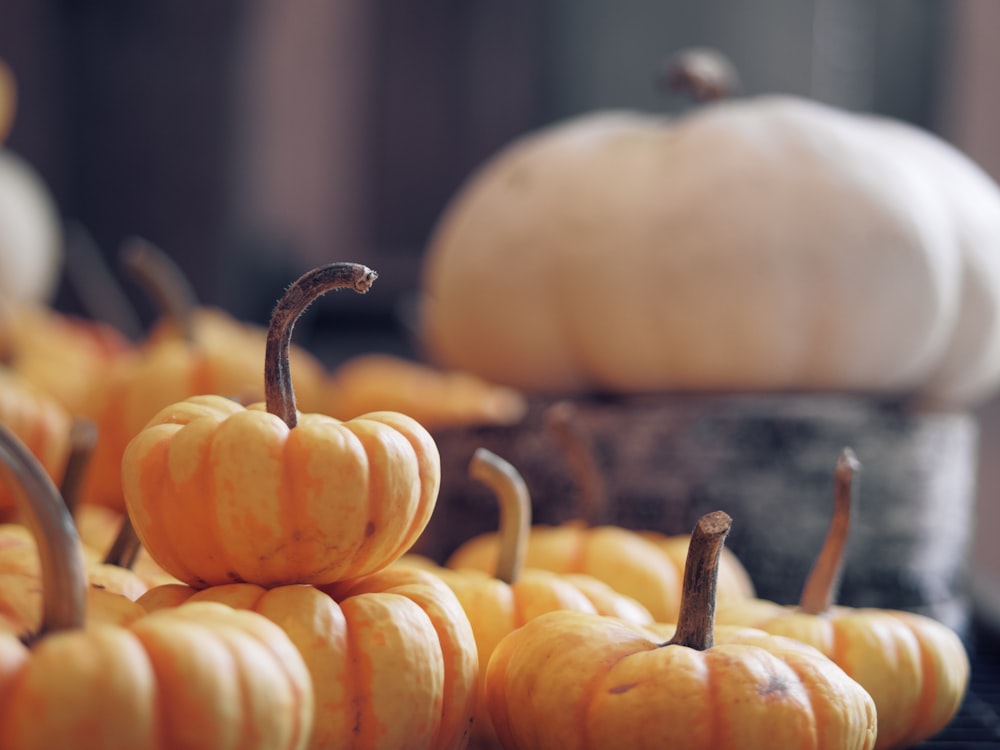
820	591
278	392
515	510
164	282
592	506
703	74
95	285
126	546
82	439
696	620
64	580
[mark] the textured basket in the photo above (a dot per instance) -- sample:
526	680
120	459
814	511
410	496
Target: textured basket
769	463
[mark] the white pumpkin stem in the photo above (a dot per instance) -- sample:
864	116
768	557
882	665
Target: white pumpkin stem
515	510
702	73
278	391
820	590
561	421
696	619
82	440
64	580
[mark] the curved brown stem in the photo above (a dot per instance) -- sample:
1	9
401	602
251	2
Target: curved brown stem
820	591
164	282
592	492
278	392
126	546
515	510
696	620
82	439
95	285
64	580
703	74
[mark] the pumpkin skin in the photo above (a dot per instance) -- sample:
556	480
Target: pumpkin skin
764	244
8	99
200	676
435	398
915	668
39	421
576	680
31	241
222	493
625	560
43	346
392	656
165	371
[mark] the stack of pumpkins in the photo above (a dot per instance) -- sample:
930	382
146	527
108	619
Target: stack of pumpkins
292	622
280	611
289	519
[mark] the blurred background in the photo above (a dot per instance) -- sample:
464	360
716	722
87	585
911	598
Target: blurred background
255	139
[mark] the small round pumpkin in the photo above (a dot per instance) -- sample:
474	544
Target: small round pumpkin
191	351
499	604
915	668
392	656
222	493
760	244
575	680
436	398
201	676
40	422
645	565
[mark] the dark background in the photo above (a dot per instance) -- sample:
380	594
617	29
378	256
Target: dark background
192	124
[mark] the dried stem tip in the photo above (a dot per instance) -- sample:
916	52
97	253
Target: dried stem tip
278	392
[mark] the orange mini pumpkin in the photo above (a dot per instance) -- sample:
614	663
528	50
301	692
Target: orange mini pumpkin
499	604
40	422
436	398
915	668
392	655
202	676
222	493
575	680
191	351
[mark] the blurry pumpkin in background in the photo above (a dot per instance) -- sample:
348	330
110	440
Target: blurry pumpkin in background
762	244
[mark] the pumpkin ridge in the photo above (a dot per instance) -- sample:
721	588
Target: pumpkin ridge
592	693
818	716
299	698
152	505
356	677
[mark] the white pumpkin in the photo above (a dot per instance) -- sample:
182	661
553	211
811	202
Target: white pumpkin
31	236
765	244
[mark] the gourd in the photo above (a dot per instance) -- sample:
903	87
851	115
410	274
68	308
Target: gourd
576	680
191	350
201	676
437	399
915	668
645	565
223	493
761	244
511	595
40	422
63	355
8	98
110	589
392	656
